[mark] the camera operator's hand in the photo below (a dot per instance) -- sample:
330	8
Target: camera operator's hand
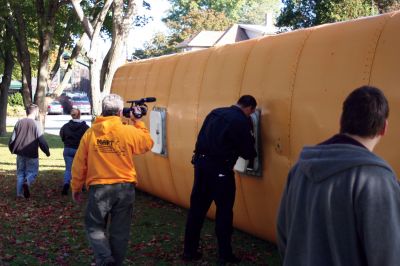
77	197
136	111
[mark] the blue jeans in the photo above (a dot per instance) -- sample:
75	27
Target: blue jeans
27	171
69	154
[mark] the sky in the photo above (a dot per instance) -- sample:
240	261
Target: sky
139	35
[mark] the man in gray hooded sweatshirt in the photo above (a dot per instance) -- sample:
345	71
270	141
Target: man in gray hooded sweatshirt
341	204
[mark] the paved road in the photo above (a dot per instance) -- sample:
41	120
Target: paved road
53	122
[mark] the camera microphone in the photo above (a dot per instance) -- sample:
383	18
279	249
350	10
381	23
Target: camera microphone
149	99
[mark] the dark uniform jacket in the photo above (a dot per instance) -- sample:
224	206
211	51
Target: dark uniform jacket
226	134
27	138
72	132
341	206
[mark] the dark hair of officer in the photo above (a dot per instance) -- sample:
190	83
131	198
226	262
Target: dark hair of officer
246	101
364	112
31	109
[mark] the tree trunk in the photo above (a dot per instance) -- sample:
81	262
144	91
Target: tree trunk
46	30
23	53
95	65
101	74
121	26
95	94
6	81
66	38
44	52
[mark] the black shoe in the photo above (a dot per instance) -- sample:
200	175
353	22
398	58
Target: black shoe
192	256
65	189
25	187
230	259
108	262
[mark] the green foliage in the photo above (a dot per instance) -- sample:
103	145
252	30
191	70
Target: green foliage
303	13
254	11
159	45
15	99
387	5
16	111
180	8
92	8
196	20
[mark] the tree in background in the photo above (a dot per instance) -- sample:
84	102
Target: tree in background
6	55
181	8
159	45
303	13
197	19
122	17
38	28
186	18
254	12
385	6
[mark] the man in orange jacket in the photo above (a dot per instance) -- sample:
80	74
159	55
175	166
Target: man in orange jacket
103	162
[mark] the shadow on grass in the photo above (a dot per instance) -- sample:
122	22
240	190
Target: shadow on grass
48	229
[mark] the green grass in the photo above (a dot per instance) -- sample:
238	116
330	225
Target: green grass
48	229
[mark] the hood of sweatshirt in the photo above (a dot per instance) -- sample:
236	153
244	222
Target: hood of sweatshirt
322	161
106	124
75	125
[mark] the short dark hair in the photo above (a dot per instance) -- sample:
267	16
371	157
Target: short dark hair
246	101
31	108
364	113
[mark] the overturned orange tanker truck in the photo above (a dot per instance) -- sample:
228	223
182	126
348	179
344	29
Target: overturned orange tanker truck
299	79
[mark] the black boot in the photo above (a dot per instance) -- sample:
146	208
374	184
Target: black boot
65	189
25	187
228	259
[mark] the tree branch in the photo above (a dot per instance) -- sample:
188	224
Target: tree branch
87	26
100	18
63	43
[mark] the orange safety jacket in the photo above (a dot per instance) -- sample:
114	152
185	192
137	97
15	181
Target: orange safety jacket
105	153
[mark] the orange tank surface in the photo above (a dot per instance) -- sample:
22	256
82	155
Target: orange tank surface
300	80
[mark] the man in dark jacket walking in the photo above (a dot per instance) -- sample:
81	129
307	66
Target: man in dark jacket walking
71	134
226	134
25	141
341	204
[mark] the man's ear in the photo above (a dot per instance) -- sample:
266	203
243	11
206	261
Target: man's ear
384	129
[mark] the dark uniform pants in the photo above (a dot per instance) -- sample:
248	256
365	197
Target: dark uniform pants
212	182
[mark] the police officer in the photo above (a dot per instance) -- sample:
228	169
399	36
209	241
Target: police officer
226	134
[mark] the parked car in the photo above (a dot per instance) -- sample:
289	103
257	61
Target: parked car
55	107
82	103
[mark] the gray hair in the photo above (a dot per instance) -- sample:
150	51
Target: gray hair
112	104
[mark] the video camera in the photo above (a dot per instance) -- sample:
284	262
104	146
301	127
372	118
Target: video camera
140	103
